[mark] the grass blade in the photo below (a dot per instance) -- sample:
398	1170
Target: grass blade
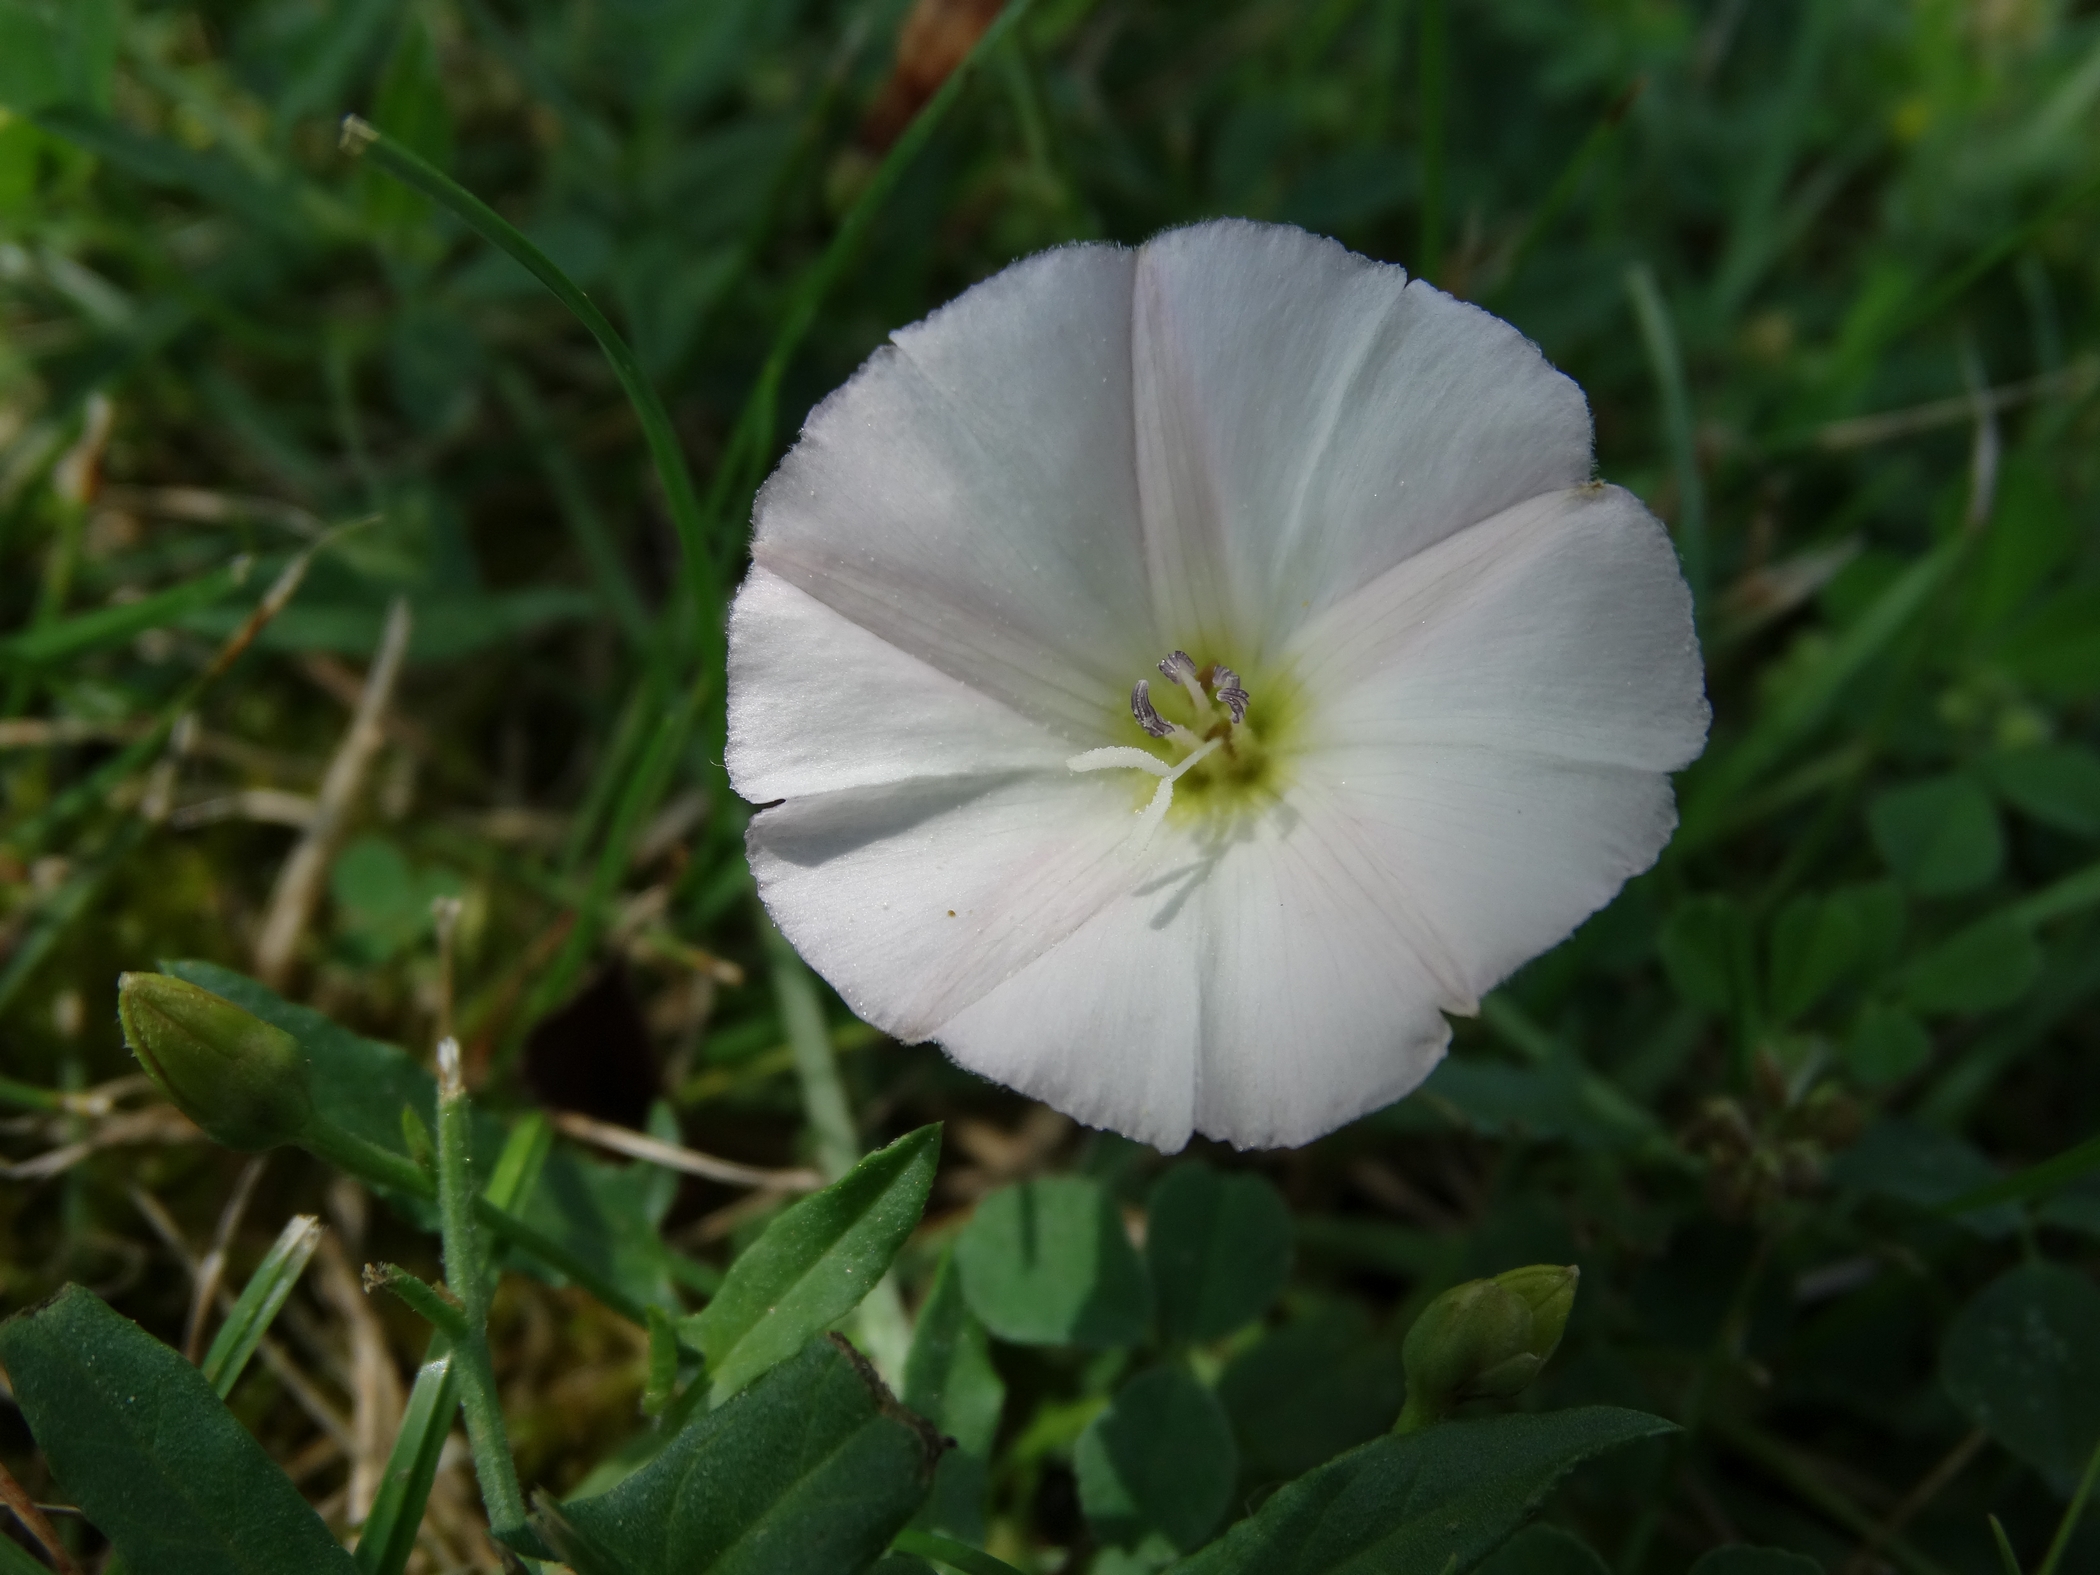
256	1308
1666	363
954	1555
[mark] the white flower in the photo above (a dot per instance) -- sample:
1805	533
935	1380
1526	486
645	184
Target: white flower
1177	677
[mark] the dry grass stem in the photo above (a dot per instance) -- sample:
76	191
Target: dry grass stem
31	1515
210	1272
299	883
690	1162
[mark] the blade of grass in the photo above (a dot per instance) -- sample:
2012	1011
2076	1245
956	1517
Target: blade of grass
64	639
587	527
1714	790
389	1534
1434	66
362	139
2073	1513
955	1555
94	788
1666	364
644	787
1566	184
256	1308
751	441
2036	1181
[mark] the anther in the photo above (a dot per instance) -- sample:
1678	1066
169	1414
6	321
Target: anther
1225	684
1141	708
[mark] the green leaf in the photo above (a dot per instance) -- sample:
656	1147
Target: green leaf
1886	1045
1047	1263
2022	1359
57	52
1744	1560
1705	945
1992	963
1310	1390
1219	1248
2056	784
151	1455
1160	1458
389	1534
1924	1167
1544	1550
949	1379
814	1467
260	1300
411	107
1431	1503
1815	944
815	1262
1939	837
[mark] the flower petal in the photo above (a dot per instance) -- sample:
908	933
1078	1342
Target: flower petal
1561	627
1307	419
970	495
1498	714
1259	990
917	898
818	704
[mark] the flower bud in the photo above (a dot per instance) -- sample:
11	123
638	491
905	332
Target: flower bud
243	1081
1484	1339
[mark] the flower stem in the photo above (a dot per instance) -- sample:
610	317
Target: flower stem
493	1465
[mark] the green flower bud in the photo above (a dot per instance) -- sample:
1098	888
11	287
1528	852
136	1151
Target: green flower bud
1485	1339
244	1082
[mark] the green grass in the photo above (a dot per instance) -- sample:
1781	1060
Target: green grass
1749	230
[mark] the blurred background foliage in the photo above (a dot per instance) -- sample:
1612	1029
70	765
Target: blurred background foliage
1826	269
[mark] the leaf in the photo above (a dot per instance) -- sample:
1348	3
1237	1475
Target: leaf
813	1467
151	1455
57	52
1705	945
1219	1248
2056	784
1544	1550
1047	1263
594	1209
1886	1045
1310	1390
949	1379
1743	1560
1815	944
1431	1503
1992	963
1159	1459
2022	1359
815	1262
1940	836
259	1303
67	639
1924	1167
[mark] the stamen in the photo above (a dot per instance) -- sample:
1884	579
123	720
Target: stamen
1225	684
1141	708
1181	667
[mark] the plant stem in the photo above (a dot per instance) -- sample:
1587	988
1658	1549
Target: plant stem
456	1196
393	1172
2073	1513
